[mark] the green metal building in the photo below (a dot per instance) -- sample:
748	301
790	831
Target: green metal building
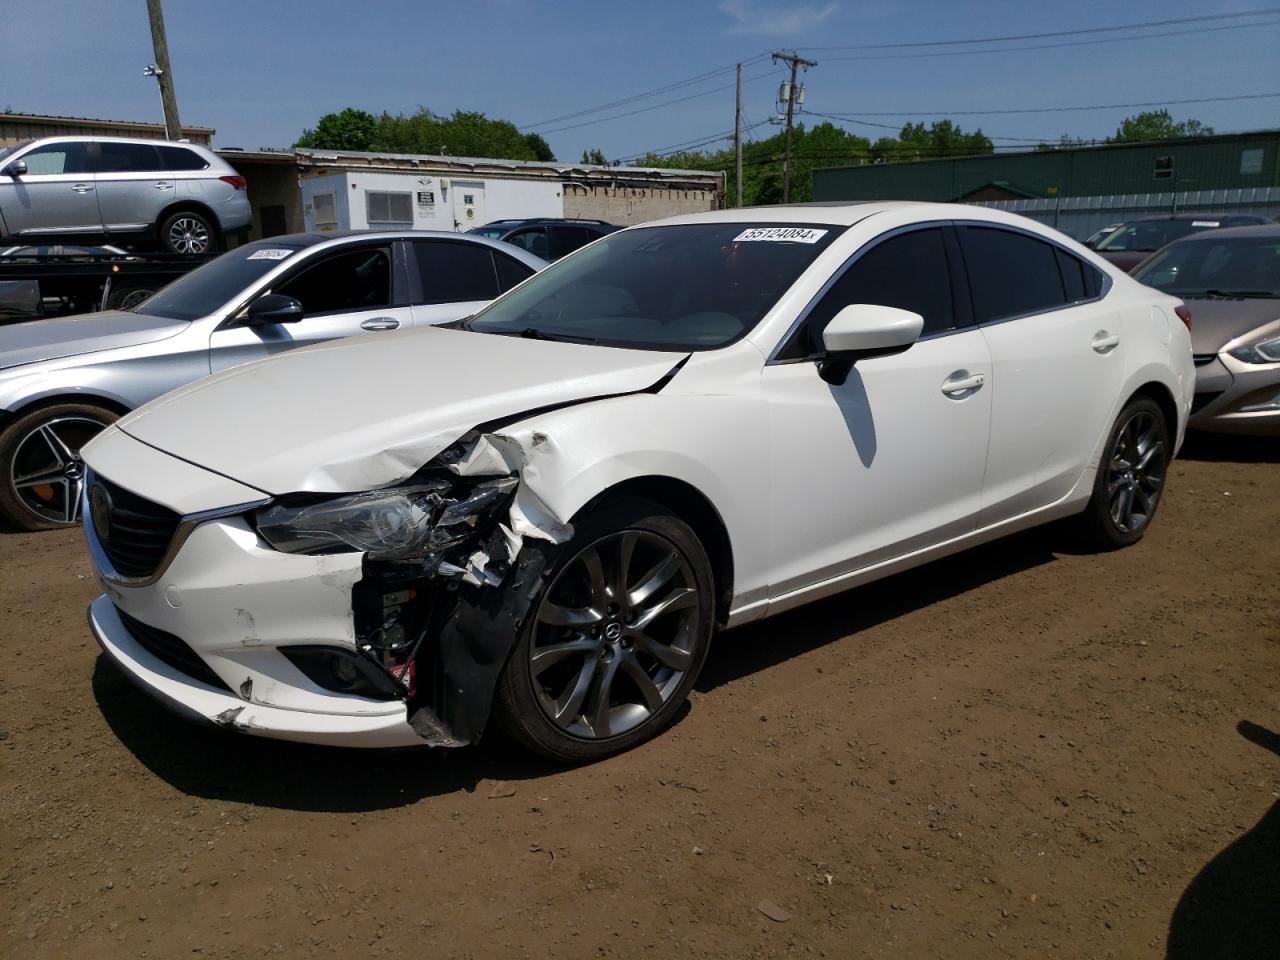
1080	188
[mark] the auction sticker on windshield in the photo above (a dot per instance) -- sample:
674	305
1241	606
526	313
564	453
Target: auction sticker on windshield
780	235
274	253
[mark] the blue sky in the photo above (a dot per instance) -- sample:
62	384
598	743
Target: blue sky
262	70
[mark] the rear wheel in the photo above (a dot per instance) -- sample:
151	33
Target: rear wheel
41	474
615	639
187	232
126	298
1131	477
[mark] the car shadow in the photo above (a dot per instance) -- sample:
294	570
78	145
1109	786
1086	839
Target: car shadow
1229	448
220	764
1231	909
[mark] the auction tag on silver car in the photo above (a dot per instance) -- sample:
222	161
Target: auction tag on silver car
781	235
274	253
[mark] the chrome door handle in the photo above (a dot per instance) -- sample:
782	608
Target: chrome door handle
1104	342
162	185
380	323
960	385
82	187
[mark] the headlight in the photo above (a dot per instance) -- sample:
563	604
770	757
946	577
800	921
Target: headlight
1264	351
398	523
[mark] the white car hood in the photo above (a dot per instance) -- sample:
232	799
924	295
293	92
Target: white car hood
367	412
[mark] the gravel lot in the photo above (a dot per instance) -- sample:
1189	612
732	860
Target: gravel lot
1021	751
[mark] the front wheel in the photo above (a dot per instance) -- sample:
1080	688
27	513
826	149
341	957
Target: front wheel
41	474
1131	477
615	638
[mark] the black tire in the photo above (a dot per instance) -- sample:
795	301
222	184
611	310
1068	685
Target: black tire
1127	474
28	453
188	232
126	298
524	701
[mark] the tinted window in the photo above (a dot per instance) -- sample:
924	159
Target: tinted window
1146	235
205	289
510	272
1243	266
694	286
56	158
127	158
568	239
534	240
908	271
1072	275
453	271
353	280
1010	273
180	158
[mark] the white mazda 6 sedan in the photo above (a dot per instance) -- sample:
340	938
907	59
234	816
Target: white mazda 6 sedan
545	511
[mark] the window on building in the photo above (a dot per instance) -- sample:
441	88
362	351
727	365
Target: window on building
908	271
1010	274
1163	168
324	209
383	209
357	279
454	271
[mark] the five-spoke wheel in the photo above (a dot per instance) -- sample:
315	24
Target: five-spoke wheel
40	464
1131	476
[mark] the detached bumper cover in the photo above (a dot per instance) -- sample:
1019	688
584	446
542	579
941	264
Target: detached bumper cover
206	704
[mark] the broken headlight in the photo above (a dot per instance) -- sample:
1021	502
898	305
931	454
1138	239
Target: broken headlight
397	523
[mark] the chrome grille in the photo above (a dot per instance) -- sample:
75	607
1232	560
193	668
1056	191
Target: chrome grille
134	532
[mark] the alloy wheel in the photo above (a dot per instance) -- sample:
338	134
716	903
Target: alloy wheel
188	235
1136	472
47	473
616	631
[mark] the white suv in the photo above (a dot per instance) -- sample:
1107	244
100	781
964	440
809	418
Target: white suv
178	196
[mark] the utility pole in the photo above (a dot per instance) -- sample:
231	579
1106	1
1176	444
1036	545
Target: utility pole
737	139
796	63
162	72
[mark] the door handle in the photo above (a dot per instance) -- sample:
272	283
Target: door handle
81	187
958	384
1104	342
163	185
380	323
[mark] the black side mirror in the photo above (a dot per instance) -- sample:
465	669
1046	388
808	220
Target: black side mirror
272	308
16	169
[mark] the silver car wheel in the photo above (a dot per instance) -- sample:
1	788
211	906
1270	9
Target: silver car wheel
188	235
610	647
1136	471
46	471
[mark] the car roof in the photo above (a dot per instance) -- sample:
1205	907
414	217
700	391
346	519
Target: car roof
303	241
1196	216
1260	230
844	213
85	138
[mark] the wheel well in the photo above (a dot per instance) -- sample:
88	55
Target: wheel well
690	505
1163	399
8	416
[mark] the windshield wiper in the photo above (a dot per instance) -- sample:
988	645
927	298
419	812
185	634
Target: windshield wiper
533	333
1244	294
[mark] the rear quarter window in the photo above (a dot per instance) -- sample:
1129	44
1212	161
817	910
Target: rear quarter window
180	158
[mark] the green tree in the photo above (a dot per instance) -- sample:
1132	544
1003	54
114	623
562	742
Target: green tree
596	156
539	147
1157	125
351	129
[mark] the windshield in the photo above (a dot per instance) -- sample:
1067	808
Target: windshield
205	289
493	233
1232	266
690	287
8	152
1147	235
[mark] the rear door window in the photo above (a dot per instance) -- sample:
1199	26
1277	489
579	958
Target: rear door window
565	240
454	271
127	158
344	282
534	240
1010	274
908	271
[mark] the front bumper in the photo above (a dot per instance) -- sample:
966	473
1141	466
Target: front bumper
1226	387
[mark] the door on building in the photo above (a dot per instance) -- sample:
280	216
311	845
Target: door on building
343	293
54	196
468	204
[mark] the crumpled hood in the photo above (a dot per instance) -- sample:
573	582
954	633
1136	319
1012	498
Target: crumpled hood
60	337
363	413
1216	322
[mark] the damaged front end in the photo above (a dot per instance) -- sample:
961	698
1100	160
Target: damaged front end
449	573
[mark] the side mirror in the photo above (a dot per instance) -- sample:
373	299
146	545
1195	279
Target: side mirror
16	169
272	308
861	331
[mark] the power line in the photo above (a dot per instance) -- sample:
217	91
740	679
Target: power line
1057	33
1053	46
658	91
1095	106
690	144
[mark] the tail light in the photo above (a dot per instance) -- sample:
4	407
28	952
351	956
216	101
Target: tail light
1184	314
237	181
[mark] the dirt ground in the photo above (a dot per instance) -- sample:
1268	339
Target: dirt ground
1021	751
